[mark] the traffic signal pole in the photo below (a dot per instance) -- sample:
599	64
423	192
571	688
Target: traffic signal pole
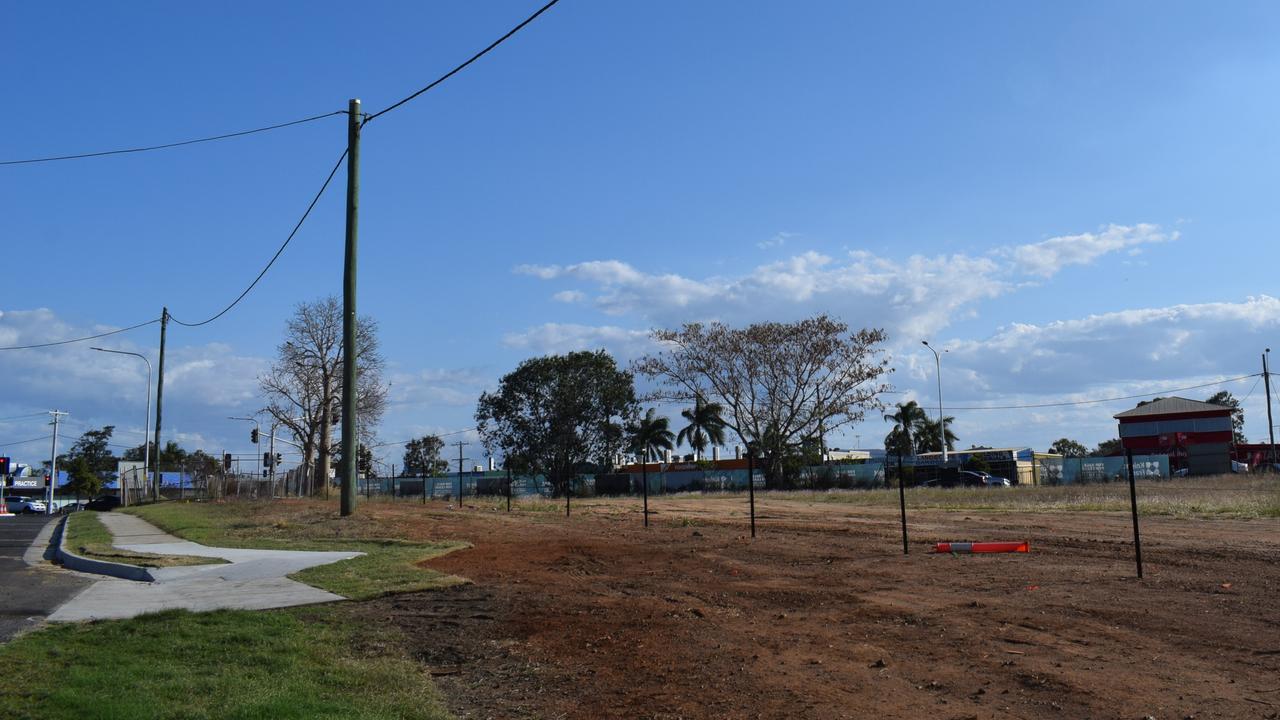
350	443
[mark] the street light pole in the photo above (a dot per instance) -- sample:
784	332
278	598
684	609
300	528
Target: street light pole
942	422
146	427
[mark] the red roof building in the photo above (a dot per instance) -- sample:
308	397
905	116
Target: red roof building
1195	435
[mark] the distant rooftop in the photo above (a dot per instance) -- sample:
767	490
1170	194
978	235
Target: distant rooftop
1171	406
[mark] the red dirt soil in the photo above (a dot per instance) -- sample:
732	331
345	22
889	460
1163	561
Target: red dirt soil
821	615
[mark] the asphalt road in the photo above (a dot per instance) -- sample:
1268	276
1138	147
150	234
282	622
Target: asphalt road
28	594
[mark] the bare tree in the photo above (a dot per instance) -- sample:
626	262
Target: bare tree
304	385
781	384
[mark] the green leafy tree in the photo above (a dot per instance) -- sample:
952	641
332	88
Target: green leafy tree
650	436
422	457
908	417
1107	448
1066	447
82	479
926	435
1226	399
706	426
559	413
93	448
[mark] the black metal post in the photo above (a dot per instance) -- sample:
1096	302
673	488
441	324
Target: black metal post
1133	505
902	503
751	487
644	480
508	488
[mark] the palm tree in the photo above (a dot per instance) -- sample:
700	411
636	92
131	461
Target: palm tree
926	433
649	437
909	417
706	426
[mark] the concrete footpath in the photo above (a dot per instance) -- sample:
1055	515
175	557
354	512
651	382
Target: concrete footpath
250	580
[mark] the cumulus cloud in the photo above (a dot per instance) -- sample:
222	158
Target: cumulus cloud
1047	257
569	296
568	337
203	383
913	296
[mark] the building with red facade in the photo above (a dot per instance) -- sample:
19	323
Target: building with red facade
1195	435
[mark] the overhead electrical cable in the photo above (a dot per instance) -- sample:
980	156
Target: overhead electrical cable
459	68
22	442
1109	399
405	442
165	146
273	259
20	417
81	339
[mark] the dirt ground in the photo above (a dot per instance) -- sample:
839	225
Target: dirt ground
821	615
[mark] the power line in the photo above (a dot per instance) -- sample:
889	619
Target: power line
459	68
273	259
148	148
21	417
81	339
23	442
439	435
1110	399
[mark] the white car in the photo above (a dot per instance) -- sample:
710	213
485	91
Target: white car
19	504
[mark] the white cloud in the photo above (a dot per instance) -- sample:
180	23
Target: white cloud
778	240
1047	257
910	297
569	296
562	337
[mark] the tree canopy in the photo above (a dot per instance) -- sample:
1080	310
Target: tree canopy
1224	397
304	385
558	413
781	384
94	448
1107	448
422	457
649	436
1067	447
705	426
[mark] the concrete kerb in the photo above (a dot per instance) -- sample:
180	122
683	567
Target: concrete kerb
97	567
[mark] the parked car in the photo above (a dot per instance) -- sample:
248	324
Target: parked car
977	478
18	504
103	502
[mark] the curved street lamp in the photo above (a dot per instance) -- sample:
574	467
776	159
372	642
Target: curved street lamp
146	429
942	422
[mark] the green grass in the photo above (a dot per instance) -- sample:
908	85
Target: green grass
304	663
88	537
388	566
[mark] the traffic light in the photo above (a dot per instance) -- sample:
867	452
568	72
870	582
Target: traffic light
253	436
266	459
4	466
226	461
279	459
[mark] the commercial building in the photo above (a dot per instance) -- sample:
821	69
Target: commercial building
1195	435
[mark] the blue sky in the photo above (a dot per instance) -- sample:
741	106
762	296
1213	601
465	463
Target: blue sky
1077	199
